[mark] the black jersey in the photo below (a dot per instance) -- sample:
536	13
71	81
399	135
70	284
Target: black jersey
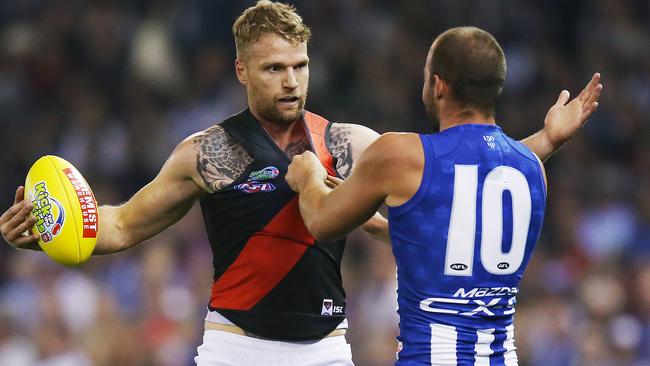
271	277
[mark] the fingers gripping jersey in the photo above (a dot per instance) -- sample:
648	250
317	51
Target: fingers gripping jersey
271	277
462	243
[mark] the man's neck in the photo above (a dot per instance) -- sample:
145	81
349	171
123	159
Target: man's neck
285	135
463	117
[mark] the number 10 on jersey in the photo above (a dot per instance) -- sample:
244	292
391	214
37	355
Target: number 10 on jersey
459	257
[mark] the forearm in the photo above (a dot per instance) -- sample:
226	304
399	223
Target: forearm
540	145
111	236
377	228
311	206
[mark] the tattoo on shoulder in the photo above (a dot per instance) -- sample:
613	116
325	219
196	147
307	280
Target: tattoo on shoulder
220	158
340	145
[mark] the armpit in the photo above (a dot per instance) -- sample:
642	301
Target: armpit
220	159
340	146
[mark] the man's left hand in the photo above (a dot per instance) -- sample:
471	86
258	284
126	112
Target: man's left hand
563	120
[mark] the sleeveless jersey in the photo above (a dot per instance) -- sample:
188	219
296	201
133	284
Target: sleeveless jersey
462	243
271	277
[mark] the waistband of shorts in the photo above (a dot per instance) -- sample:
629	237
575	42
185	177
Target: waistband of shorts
233	329
213	316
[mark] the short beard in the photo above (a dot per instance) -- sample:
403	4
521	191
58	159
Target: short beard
273	115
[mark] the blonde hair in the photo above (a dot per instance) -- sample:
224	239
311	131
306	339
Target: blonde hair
269	17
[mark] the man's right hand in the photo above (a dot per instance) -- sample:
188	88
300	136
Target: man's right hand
17	222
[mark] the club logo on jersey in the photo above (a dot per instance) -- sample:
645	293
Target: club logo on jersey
45	209
329	308
328	304
269	172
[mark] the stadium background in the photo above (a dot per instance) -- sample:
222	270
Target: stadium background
114	86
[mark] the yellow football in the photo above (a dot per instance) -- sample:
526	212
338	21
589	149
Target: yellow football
65	209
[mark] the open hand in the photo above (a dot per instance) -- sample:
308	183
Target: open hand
563	120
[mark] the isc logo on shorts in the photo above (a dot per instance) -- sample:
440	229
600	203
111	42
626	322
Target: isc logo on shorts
329	308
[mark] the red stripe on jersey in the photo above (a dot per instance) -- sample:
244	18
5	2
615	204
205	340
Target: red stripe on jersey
316	126
266	259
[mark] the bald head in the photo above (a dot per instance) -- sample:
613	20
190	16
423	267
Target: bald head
471	61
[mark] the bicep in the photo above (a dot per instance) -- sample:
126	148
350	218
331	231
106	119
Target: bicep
158	205
153	208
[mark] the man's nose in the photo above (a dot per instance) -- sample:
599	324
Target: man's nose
290	81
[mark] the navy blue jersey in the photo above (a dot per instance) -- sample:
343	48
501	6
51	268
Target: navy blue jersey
462	243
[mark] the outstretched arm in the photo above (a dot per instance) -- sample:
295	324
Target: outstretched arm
564	119
350	205
153	208
205	162
376	227
357	198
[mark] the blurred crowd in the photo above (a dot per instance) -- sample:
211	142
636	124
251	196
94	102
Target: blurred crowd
113	86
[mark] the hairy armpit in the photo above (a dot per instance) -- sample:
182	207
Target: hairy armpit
220	159
340	145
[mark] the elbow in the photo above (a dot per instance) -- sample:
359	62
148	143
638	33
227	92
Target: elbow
321	233
324	238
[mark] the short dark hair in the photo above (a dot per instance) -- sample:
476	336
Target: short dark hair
471	61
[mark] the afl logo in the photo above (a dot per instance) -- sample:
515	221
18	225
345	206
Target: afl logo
458	266
503	265
255	187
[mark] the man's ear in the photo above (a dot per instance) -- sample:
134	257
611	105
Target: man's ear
240	71
440	87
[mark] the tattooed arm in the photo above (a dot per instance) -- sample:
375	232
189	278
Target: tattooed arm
202	163
220	159
346	142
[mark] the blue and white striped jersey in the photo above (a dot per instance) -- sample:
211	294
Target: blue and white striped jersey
462	243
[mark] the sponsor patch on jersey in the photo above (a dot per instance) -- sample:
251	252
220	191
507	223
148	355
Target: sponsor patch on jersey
255	183
255	187
330	309
269	172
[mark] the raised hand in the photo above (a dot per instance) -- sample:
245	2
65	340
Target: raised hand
564	119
